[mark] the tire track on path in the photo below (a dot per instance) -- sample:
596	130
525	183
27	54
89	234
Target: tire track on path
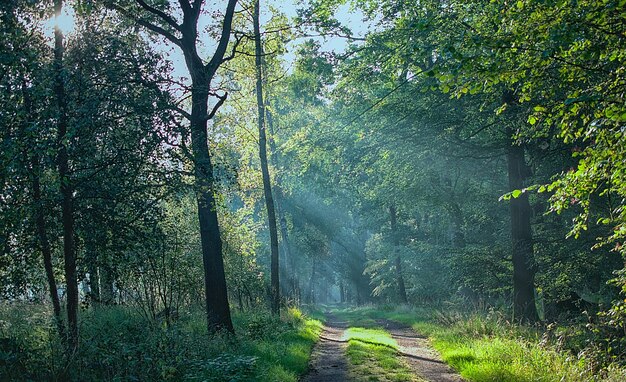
328	360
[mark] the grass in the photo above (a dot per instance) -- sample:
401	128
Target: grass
117	344
487	349
373	356
372	352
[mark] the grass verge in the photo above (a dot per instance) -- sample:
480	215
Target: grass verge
488	349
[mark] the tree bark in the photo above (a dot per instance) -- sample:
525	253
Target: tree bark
267	187
216	294
91	260
66	187
398	260
310	294
524	308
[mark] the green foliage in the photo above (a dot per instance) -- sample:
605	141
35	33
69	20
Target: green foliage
116	344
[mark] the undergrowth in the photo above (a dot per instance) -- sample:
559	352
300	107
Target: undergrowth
117	344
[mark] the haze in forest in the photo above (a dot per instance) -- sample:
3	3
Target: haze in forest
312	191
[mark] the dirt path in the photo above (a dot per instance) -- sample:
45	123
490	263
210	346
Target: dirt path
328	362
416	351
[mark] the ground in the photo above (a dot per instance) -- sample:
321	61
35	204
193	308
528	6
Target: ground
382	350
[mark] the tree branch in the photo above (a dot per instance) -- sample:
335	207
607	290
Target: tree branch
218	56
164	16
238	38
182	112
154	28
219	103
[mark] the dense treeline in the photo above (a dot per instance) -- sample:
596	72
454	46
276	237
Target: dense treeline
459	153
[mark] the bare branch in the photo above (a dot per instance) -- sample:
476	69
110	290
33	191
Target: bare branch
238	38
219	103
154	28
164	16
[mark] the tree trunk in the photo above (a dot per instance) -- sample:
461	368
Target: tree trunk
310	294
106	287
216	294
524	308
40	223
91	259
46	251
396	244
67	208
280	212
267	187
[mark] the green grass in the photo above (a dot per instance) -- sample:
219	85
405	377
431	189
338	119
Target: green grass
373	356
486	349
117	344
372	352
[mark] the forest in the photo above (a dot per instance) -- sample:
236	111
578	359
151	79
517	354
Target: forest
313	190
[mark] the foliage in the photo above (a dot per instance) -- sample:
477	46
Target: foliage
118	345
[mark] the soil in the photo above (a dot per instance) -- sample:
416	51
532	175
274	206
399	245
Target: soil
417	352
328	361
329	364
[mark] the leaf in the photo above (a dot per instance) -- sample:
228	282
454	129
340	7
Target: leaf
516	193
532	120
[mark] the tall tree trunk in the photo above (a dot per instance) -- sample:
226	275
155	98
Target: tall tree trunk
106	287
67	208
310	294
40	222
398	260
185	36
280	211
524	308
46	250
216	293
267	187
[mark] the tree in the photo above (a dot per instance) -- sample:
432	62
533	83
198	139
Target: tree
202	74
66	186
267	186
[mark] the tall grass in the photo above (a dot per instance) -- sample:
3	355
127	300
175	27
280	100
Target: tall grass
117	344
485	347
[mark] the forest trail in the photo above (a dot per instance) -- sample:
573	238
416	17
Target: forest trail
416	351
330	364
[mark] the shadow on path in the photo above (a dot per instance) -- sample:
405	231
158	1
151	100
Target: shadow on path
328	362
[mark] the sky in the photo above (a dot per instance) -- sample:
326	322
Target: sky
353	19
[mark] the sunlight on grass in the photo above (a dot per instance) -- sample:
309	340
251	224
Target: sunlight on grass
486	350
373	356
